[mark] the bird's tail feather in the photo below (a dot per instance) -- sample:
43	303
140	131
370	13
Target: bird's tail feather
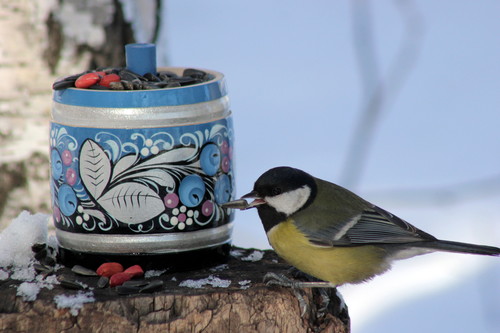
458	247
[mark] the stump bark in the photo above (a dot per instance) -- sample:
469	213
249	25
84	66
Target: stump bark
246	305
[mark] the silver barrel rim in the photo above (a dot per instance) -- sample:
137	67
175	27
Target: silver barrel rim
147	243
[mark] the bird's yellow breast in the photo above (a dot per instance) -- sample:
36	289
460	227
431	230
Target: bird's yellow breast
337	265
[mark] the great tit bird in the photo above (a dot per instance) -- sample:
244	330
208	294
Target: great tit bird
334	235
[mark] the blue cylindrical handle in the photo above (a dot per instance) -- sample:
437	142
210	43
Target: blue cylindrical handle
141	58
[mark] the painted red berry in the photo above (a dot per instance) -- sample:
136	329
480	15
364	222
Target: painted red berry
171	200
67	157
226	164
224	148
71	177
207	208
87	80
107	79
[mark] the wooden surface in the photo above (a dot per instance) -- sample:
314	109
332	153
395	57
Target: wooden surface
258	308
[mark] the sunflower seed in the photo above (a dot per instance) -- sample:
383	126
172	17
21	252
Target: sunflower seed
137	84
127	290
236	204
152	286
116	85
135	283
194	73
151	77
70	283
127	85
80	270
102	282
43	269
173	84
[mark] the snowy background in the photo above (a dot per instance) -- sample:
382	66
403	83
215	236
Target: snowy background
297	94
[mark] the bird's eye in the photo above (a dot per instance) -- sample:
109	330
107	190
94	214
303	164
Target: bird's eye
276	191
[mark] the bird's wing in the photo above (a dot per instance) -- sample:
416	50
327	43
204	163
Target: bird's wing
373	226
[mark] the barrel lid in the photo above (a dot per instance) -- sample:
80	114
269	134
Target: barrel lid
141	59
197	93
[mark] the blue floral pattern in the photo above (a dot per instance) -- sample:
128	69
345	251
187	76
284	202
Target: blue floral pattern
151	180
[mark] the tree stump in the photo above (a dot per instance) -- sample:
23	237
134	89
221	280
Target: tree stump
245	305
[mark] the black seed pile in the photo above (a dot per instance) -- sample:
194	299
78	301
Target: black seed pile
133	81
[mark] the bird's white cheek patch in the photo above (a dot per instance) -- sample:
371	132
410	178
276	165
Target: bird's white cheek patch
289	202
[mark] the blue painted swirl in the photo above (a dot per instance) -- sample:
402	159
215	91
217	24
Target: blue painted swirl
191	190
210	159
56	164
222	189
67	200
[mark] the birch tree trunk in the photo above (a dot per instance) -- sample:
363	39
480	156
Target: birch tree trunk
40	41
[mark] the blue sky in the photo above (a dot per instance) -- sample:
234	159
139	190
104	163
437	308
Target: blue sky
296	95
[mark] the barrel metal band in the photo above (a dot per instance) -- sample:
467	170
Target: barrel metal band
151	117
145	244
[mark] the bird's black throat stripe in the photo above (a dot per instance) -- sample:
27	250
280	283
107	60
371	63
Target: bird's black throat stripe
270	217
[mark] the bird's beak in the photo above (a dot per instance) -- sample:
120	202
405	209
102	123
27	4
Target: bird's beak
242	204
257	200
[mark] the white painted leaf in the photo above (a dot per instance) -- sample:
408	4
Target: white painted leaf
95	168
159	176
123	165
132	203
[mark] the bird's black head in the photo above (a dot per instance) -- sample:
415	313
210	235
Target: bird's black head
281	192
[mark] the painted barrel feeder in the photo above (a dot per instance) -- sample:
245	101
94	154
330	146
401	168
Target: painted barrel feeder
141	164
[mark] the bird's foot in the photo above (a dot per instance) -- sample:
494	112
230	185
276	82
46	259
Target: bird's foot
325	302
273	279
283	281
